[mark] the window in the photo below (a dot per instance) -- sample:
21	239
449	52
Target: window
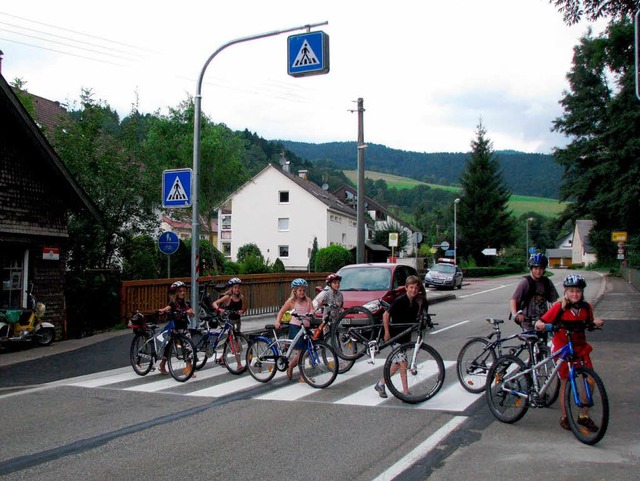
12	281
283	223
284	196
283	251
226	222
226	249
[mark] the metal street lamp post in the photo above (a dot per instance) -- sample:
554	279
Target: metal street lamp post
455	231
527	230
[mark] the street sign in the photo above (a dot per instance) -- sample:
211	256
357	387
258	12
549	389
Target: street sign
490	252
417	237
308	54
618	237
444	245
168	243
176	188
393	239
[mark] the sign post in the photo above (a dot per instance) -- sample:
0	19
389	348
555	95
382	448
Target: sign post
168	244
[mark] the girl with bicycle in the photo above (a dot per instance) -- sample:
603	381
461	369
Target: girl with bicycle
181	310
233	300
301	304
405	308
332	296
572	308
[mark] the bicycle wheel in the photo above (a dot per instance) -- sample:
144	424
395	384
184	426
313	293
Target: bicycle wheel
351	333
180	358
414	380
141	354
261	360
474	361
504	403
201	342
544	373
234	353
319	366
587	405
343	364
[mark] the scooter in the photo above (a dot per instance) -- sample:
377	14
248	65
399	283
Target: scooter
22	326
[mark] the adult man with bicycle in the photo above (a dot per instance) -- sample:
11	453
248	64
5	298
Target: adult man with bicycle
534	294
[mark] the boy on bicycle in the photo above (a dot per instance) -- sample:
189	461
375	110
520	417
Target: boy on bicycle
534	294
404	309
572	308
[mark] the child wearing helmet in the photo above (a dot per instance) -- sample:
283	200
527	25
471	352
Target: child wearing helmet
331	297
177	304
232	300
534	293
301	304
572	308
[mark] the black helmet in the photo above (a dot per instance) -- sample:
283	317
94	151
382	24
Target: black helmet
538	260
574	280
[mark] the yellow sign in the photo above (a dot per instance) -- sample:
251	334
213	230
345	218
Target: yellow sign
619	237
393	239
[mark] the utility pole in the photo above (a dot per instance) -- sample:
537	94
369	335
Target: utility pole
360	201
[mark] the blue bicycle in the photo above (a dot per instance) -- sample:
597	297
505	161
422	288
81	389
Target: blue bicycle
215	331
513	387
318	363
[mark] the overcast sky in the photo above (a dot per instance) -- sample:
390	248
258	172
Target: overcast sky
427	70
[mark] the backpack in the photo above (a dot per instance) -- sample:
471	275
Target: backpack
531	291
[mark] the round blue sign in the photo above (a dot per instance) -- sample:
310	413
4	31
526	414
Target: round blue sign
168	243
532	250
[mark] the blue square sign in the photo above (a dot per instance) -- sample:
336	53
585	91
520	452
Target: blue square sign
308	54
176	188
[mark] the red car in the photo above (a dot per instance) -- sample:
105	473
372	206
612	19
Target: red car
363	284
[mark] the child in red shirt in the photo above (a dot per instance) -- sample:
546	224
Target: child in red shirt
572	308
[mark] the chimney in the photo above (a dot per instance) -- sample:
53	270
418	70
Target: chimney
302	174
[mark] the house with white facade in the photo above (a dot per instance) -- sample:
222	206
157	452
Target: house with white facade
582	252
282	214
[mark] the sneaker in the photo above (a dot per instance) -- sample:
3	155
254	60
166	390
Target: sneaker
381	390
564	423
587	422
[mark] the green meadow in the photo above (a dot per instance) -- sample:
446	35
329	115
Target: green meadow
519	204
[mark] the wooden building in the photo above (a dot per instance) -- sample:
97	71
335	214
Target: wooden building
37	193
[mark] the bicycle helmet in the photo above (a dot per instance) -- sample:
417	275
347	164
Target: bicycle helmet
234	280
574	280
299	283
177	285
538	260
332	277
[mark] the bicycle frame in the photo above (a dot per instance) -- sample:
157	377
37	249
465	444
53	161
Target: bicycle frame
559	357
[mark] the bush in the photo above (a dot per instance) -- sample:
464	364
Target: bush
278	266
253	264
249	250
332	258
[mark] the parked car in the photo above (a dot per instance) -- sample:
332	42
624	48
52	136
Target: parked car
363	283
444	274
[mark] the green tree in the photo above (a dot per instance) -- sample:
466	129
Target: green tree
91	144
249	250
573	10
483	219
140	258
332	258
602	119
312	256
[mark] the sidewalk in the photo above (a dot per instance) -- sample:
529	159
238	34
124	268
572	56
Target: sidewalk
250	324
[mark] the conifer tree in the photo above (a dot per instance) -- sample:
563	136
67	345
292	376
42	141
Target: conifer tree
483	219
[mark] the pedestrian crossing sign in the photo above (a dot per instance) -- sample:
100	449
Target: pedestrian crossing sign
176	188
308	54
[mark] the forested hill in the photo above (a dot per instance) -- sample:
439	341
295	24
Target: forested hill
525	174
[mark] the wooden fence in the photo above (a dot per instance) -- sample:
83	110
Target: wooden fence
265	293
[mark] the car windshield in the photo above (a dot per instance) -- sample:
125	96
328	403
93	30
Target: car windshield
366	279
444	268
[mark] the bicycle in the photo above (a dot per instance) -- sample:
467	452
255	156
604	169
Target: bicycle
330	314
414	371
478	354
147	348
219	331
512	387
318	364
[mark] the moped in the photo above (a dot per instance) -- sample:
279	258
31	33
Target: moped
18	326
